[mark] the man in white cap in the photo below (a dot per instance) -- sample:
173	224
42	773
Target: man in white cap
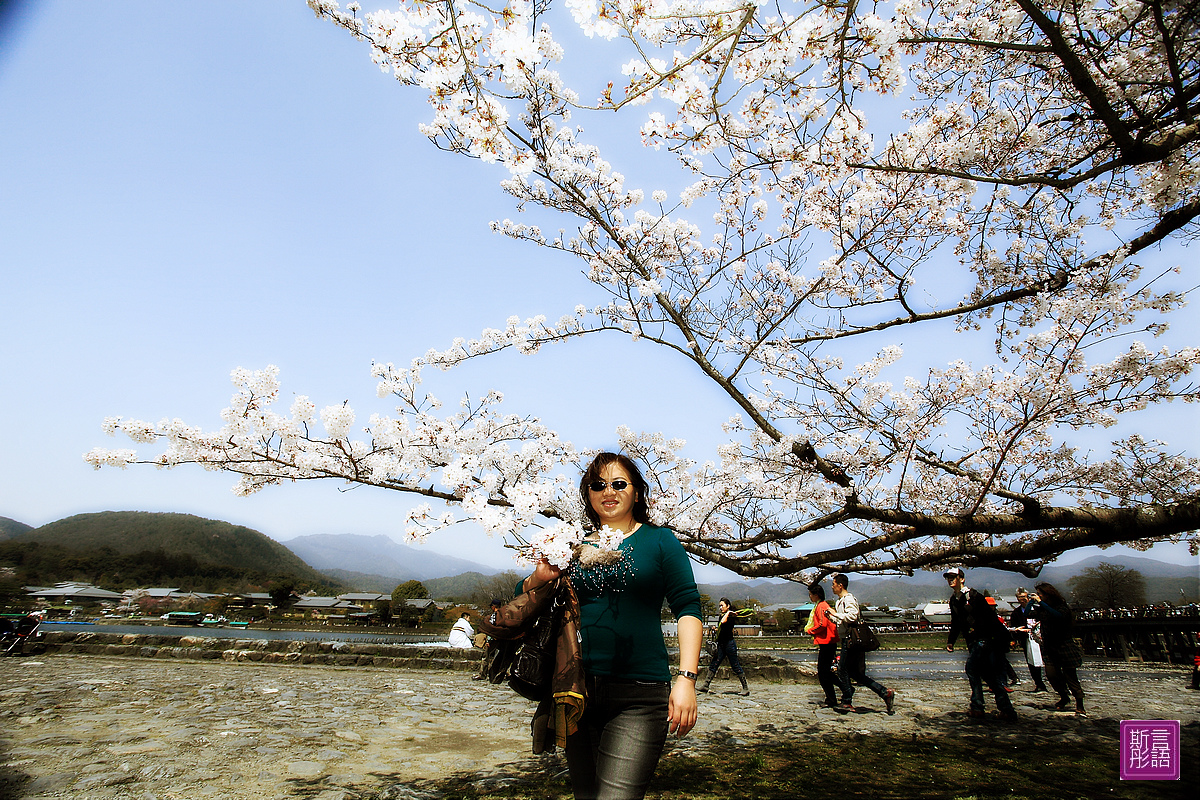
987	641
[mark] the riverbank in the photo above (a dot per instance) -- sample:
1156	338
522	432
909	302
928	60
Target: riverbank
328	652
115	728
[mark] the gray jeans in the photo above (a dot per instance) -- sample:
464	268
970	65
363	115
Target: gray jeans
615	751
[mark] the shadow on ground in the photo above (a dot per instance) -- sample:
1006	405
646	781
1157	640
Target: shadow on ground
951	758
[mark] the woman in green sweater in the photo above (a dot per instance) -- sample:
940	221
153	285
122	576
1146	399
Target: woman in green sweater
631	704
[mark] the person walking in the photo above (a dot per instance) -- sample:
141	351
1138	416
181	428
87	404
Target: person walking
1022	626
852	663
987	642
630	705
726	648
824	633
1062	654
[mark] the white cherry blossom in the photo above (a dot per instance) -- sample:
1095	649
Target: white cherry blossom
985	183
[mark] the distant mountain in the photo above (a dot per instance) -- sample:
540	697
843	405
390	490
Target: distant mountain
118	545
469	584
1163	583
10	528
380	556
766	592
361	581
1149	567
462	587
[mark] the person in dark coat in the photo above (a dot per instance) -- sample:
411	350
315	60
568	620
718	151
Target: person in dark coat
1062	653
972	617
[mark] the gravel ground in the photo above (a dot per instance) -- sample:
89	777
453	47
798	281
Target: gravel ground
102	728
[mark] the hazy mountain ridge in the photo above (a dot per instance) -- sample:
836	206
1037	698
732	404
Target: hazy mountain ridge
1163	582
454	587
461	587
378	557
361	581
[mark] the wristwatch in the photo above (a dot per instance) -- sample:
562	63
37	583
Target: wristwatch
683	673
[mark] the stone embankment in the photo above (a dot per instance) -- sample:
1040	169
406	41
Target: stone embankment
270	651
333	653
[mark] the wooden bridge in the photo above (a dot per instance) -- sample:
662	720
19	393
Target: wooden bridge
1171	638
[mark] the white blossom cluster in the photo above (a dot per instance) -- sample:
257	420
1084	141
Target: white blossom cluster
988	177
499	470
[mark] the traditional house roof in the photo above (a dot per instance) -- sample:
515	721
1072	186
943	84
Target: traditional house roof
75	591
327	604
364	597
156	593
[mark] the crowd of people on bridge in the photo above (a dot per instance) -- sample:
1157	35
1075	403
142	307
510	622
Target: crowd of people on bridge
1159	611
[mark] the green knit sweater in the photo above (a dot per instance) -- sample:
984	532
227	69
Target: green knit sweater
620	605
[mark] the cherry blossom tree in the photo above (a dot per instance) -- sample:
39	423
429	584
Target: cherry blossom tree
837	177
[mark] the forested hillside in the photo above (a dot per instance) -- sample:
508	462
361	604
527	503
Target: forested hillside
124	549
10	528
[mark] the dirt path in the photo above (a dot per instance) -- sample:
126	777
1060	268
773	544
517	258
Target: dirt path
102	728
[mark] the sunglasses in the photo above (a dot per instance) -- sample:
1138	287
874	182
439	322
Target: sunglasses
619	485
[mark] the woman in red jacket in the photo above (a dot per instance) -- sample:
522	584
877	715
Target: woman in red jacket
824	634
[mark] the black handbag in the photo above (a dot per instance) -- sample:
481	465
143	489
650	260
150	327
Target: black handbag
532	665
859	636
526	629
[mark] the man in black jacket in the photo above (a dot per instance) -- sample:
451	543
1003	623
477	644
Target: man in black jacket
987	641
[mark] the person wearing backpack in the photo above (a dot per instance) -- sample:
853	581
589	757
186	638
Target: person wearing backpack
972	617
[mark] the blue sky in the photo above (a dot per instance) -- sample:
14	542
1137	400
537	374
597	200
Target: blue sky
190	187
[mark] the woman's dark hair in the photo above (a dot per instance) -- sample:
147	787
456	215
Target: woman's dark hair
818	590
725	600
641	512
1051	593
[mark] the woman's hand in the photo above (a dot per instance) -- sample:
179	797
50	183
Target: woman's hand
543	573
681	708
